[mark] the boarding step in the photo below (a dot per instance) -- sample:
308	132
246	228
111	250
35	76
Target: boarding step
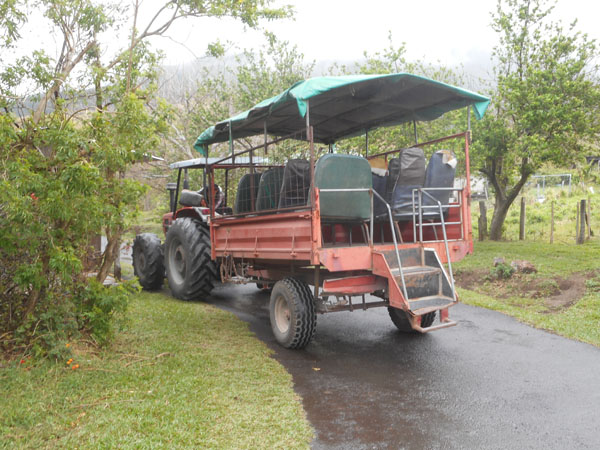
408	257
424	305
416	271
420	281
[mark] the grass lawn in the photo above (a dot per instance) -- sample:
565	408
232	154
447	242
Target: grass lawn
182	375
528	297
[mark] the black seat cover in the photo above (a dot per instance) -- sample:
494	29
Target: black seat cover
247	190
296	183
380	186
412	176
269	189
440	174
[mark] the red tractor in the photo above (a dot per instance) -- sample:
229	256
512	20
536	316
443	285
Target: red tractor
335	233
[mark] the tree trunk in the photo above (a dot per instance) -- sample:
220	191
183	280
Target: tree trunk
504	196
110	254
500	212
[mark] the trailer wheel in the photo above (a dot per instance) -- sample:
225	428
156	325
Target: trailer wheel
399	318
190	270
148	261
292	313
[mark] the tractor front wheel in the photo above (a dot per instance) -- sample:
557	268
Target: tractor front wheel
292	312
190	270
148	261
399	318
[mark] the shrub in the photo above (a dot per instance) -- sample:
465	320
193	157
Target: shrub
502	271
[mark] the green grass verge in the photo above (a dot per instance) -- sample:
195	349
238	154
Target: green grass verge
549	259
579	321
183	375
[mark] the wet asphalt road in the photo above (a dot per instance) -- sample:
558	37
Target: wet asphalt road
489	383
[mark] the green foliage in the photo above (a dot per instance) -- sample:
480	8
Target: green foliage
70	129
546	103
502	271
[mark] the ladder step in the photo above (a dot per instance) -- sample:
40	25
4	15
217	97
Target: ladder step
435	301
416	270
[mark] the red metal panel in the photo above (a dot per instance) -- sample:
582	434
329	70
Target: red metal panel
338	259
364	284
273	236
381	268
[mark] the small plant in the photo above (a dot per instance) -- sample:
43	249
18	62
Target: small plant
502	271
593	284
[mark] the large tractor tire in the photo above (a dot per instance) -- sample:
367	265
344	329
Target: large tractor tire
190	270
148	261
399	318
292	312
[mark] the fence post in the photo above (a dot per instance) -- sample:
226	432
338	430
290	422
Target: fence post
581	231
577	225
482	220
552	223
588	218
522	220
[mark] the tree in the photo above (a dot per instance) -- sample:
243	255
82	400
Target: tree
545	107
70	128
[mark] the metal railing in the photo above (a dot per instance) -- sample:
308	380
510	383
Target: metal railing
443	224
415	214
371	191
418	207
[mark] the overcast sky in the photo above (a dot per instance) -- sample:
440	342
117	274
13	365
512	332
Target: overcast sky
452	32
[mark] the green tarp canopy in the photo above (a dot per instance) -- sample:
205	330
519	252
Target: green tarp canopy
345	106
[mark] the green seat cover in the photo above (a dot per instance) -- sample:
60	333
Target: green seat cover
269	188
335	171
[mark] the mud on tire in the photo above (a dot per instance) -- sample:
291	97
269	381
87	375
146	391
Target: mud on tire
292	313
399	318
148	261
190	270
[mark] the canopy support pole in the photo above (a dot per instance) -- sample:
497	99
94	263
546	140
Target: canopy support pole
266	145
252	201
226	186
309	133
186	179
415	131
366	143
231	144
469	121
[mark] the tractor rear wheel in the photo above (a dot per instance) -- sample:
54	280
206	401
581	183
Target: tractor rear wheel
148	261
399	318
190	270
292	313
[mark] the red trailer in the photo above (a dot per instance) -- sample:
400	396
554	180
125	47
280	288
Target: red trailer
332	233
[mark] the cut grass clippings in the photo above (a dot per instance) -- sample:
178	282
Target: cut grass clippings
183	375
580	320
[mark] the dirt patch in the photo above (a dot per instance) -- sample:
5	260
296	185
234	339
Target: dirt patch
571	290
557	293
